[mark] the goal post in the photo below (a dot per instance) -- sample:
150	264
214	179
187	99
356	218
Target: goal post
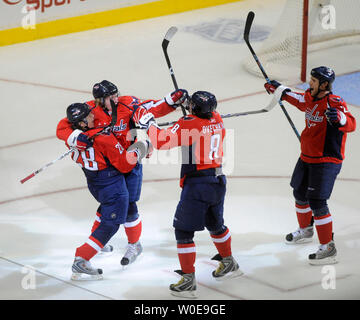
305	30
306	27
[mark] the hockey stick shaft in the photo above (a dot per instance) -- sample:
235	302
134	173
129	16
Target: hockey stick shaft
111	125
271	105
249	21
169	34
228	115
46	166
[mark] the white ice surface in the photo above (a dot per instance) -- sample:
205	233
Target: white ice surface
44	220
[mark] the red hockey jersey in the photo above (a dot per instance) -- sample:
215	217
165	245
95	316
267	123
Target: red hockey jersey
106	151
320	140
201	141
129	110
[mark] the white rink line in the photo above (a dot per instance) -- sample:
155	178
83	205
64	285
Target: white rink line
280	289
227	294
58	279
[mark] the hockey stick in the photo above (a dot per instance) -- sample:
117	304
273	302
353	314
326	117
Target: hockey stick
111	125
270	106
168	36
47	165
249	21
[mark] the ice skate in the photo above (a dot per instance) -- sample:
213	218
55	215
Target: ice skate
301	235
186	287
107	250
83	270
325	255
228	268
132	252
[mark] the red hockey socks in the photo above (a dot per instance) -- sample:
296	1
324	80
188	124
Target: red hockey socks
187	256
323	226
304	214
92	246
133	230
222	243
89	249
96	222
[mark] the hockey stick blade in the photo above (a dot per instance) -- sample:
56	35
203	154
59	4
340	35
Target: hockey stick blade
270	106
169	34
248	24
249	21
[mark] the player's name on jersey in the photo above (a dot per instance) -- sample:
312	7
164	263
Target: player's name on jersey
212	127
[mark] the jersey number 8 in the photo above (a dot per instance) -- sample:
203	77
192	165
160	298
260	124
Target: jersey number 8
214	146
87	157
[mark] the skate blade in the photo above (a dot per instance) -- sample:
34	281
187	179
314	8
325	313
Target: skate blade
85	277
230	275
325	261
185	294
301	241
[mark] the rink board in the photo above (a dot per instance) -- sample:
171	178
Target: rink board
28	31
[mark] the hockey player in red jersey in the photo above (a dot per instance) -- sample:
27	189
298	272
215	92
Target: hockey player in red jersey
128	110
327	122
203	184
104	164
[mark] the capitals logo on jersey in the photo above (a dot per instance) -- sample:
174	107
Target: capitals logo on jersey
120	127
312	117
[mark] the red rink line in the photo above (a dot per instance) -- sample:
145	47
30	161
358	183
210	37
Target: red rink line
152	181
26	142
35	84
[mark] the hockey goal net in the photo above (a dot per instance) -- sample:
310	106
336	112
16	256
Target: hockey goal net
306	26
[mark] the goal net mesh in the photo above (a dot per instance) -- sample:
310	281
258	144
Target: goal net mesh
331	23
